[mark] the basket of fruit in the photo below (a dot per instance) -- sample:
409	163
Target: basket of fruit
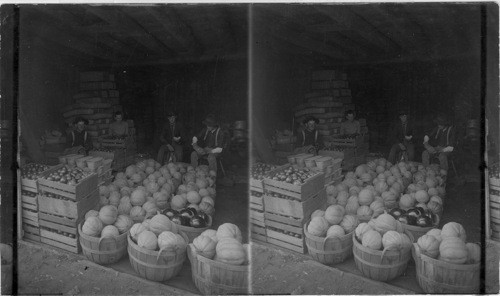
446	263
190	221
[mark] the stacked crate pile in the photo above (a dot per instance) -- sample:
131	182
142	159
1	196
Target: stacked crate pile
257	219
29	200
329	99
288	205
62	208
96	101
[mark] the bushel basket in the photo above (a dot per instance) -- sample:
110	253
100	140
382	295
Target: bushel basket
440	277
193	232
377	267
329	250
150	266
214	278
103	251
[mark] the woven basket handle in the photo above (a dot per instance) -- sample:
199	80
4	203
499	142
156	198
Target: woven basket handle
331	238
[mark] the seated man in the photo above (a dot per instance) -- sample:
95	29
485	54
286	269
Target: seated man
401	136
118	127
350	126
171	138
81	141
439	142
210	141
309	139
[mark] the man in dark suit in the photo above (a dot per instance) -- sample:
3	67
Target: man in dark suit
171	138
401	136
440	142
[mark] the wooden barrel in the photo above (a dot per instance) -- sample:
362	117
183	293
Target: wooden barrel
216	278
374	266
6	279
156	268
192	232
439	277
329	250
103	251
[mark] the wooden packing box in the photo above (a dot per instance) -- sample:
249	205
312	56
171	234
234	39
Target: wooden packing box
103	154
311	187
297	210
323	161
258	185
67	212
258	233
73	192
347	142
29	185
257	210
60	236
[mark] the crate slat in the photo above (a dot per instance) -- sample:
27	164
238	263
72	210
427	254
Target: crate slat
29	200
53	240
68	208
31	229
282	219
31	237
301	192
286	241
294	208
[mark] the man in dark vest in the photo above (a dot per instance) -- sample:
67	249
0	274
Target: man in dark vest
209	142
309	140
401	137
80	139
439	142
171	138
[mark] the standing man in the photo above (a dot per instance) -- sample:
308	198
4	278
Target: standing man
350	126
309	137
210	142
439	142
401	136
171	138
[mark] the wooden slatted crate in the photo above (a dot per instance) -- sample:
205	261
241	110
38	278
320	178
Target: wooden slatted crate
258	185
257	220
73	192
59	218
310	187
284	220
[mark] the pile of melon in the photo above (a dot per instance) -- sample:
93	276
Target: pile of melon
333	222
449	244
147	187
158	234
106	222
383	233
223	245
379	185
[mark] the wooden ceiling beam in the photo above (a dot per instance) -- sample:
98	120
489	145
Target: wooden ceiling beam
345	45
176	27
295	37
118	20
55	35
345	18
408	41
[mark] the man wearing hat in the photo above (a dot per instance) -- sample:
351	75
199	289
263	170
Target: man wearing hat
80	139
309	138
171	138
401	136
210	141
439	142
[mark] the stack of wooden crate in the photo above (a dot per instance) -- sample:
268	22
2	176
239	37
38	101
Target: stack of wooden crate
96	101
62	208
92	163
328	100
29	204
328	165
287	207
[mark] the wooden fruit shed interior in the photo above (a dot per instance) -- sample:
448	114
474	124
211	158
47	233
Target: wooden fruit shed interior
427	58
190	58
